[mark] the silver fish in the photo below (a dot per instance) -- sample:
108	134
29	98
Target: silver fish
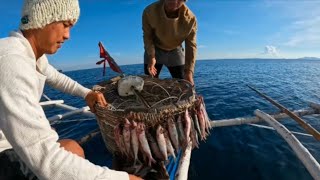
206	117
202	124
170	148
154	147
194	135
144	143
180	132
134	141
173	133
127	136
203	107
196	123
119	139
162	142
187	127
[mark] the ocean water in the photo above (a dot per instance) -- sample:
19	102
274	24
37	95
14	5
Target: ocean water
238	152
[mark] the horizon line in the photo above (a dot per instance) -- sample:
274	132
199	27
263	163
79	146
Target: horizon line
215	59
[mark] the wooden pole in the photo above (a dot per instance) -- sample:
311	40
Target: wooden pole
104	68
301	122
303	154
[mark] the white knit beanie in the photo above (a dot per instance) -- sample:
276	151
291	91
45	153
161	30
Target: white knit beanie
38	13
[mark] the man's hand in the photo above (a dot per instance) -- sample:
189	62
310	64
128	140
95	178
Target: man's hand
188	75
95	97
151	67
133	177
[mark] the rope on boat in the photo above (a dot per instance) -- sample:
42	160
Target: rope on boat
303	154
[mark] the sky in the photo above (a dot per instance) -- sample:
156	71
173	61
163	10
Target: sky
227	29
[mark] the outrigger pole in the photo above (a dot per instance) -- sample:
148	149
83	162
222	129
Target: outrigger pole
303	154
252	120
71	110
301	122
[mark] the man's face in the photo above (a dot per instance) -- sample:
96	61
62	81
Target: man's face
52	36
173	5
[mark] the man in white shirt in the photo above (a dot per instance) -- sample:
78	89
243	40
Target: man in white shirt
26	138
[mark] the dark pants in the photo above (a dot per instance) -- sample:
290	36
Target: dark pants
174	60
12	168
175	71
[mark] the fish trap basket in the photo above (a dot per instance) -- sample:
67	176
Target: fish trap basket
166	97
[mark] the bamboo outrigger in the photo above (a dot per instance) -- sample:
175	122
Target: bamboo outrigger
182	173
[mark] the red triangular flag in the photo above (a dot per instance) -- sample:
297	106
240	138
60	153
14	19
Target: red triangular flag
102	50
104	54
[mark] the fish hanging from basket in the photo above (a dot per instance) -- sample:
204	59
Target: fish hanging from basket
150	119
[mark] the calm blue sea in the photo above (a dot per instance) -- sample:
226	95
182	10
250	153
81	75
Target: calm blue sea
239	152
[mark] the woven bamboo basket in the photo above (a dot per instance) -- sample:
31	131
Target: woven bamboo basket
166	97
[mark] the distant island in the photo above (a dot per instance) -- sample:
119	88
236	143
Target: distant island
279	58
309	58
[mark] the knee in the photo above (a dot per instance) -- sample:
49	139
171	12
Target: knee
72	146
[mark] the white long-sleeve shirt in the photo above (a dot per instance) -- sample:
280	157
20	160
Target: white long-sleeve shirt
23	124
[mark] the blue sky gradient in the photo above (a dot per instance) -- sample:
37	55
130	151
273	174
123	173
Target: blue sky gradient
226	29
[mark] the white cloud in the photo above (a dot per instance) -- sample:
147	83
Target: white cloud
271	51
306	32
300	22
303	18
